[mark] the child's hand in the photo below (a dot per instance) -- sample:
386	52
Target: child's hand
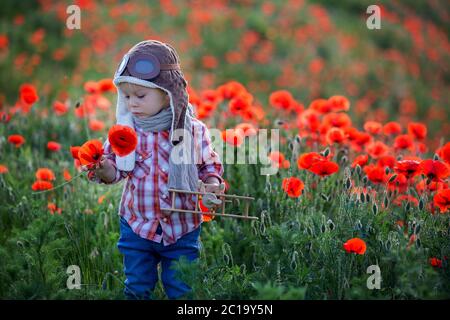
212	184
104	169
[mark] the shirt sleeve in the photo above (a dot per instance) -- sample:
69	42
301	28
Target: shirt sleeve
120	175
210	166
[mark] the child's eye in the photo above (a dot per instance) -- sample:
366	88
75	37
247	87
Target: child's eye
127	97
140	97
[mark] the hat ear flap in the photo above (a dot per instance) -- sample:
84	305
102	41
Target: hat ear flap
125	118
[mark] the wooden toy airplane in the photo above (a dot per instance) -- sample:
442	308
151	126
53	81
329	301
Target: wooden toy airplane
213	201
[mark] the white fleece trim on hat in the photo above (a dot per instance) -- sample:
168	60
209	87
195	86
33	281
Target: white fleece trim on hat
125	117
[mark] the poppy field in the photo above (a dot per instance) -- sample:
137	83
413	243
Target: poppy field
359	206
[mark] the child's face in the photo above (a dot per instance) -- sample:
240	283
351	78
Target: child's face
144	102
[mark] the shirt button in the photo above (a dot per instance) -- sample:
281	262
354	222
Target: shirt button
165	196
164	219
164	170
140	157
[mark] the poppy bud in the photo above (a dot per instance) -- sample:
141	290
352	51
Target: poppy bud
365	179
408	206
421	204
344	160
387	170
294	260
386	202
388	245
326	152
298	139
348	183
331	225
367	198
358	169
435	157
291	145
324	197
417	229
358	225
279	122
362	198
375	209
418	243
77	105
391	179
399	158
323	228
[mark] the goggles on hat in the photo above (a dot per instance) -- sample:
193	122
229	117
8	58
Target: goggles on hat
144	66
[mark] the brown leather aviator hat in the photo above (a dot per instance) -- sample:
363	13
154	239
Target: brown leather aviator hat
152	64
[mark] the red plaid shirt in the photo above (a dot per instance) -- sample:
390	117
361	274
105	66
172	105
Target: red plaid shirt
145	194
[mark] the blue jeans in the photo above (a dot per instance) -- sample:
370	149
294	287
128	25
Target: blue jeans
141	258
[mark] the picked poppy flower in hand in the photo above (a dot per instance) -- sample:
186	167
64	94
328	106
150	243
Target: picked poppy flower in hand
355	245
90	153
123	139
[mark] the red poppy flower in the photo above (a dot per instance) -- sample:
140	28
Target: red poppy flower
67	175
409	168
444	152
403	142
399	183
96	125
247	129
375	173
52	207
211	96
355	245
45	174
230	90
435	262
408	198
392	128
324	168
442	200
361	160
387	161
335	135
53	146
41	185
106	85
16	139
434	169
293	187
28	94
306	160
91	87
206	217
281	99
377	149
60	108
90	152
373	127
360	139
74	151
417	130
431	186
339	120
339	103
279	160
123	139
233	137
320	105
310	120
240	103
3	169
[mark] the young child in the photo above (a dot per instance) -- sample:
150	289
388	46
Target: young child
152	99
